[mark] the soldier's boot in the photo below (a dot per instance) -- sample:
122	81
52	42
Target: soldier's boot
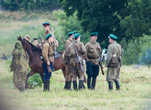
93	83
48	85
45	87
117	85
75	85
66	84
88	83
110	83
80	84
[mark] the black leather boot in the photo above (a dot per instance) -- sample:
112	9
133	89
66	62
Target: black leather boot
45	87
110	83
93	83
66	84
89	82
75	85
117	85
48	85
80	84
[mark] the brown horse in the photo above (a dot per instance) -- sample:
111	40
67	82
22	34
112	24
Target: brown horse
35	61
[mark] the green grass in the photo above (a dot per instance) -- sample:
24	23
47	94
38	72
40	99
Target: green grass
134	93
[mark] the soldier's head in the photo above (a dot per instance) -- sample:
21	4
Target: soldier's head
49	37
46	26
70	35
27	37
112	38
94	36
77	36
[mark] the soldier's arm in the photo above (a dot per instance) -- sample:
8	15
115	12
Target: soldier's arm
45	52
99	49
109	55
83	50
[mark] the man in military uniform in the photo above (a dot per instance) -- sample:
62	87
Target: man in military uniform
75	53
113	62
49	30
66	60
19	66
48	51
93	54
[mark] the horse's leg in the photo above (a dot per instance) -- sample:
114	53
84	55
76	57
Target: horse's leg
27	77
42	77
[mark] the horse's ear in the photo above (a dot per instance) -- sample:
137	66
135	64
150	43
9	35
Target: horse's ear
19	38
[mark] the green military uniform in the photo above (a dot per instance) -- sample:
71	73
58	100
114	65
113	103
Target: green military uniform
66	60
93	54
75	53
19	66
113	63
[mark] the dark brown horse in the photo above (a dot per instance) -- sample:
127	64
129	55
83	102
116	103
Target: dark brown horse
35	61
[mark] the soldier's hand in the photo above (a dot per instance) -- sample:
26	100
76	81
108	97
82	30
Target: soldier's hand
48	63
49	69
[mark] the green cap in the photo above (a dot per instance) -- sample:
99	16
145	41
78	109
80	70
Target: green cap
112	36
76	35
70	33
94	34
48	35
45	23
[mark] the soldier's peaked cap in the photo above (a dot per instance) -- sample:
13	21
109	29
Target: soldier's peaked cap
76	35
94	34
112	36
45	23
48	35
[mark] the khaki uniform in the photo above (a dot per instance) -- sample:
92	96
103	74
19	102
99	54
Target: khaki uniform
93	54
48	51
74	67
66	60
114	49
19	66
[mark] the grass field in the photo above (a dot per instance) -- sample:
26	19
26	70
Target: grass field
134	93
135	82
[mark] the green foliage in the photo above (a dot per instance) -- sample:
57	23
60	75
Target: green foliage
30	4
66	24
127	19
137	51
35	81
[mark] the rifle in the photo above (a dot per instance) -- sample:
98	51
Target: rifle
79	60
100	64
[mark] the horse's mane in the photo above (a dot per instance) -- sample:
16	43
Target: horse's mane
34	48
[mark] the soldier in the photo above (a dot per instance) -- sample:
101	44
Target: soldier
113	62
49	30
48	51
27	37
19	66
75	53
66	60
93	54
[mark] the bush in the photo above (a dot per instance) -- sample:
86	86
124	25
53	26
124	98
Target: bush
137	51
35	81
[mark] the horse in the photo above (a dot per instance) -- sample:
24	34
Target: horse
35	61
